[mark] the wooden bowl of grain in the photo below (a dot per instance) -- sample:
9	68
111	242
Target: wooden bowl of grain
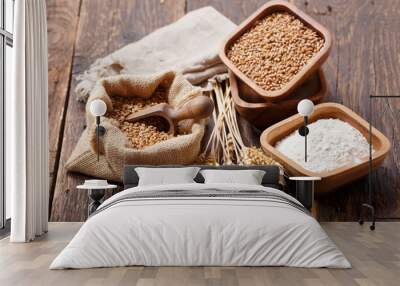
262	114
275	50
338	177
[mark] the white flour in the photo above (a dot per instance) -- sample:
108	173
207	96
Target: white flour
331	144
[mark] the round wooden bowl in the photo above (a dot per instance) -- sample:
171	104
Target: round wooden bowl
264	114
309	69
336	178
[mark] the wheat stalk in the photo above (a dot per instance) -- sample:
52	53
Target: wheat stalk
225	140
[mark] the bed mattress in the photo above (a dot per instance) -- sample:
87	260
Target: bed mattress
201	225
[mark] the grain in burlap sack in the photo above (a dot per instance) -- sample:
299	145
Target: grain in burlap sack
114	151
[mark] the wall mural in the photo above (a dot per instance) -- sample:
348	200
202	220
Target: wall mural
202	90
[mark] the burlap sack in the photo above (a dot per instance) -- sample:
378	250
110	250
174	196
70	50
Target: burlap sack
112	146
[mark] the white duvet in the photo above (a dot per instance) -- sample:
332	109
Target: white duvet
200	231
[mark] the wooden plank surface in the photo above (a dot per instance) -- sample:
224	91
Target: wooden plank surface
385	65
344	203
104	26
374	257
362	63
62	19
364	60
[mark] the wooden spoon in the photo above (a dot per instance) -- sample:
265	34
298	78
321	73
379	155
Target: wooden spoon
196	108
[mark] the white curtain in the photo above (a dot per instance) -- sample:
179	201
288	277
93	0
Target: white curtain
27	125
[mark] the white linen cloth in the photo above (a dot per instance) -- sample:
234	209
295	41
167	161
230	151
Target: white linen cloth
200	231
190	46
27	127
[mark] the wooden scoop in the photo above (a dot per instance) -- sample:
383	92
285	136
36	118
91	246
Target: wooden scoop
196	108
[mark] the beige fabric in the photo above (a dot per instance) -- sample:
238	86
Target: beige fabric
114	151
189	46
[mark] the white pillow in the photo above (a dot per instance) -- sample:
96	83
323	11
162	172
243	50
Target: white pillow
166	176
248	177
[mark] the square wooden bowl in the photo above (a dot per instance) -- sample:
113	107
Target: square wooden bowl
263	114
309	69
341	176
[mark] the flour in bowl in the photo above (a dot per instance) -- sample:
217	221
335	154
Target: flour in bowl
331	144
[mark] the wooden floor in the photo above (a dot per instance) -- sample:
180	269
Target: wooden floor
375	257
365	60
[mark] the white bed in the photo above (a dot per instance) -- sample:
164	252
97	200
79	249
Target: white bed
267	229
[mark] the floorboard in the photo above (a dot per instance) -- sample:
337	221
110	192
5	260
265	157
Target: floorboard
361	64
62	19
375	259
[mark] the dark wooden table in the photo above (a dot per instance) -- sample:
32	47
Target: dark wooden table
365	60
